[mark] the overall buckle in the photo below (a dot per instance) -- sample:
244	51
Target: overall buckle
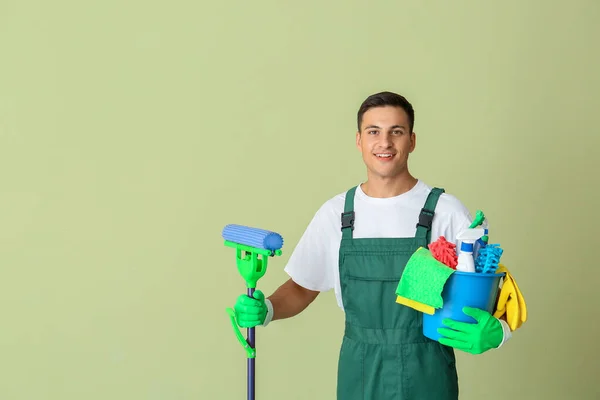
425	218
348	220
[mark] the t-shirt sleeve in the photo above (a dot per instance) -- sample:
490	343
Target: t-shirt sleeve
311	263
460	218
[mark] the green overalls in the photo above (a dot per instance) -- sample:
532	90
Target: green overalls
384	354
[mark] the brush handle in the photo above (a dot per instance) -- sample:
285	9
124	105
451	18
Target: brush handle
251	361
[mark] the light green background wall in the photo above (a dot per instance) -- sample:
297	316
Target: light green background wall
132	132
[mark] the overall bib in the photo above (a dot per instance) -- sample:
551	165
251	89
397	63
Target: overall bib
384	354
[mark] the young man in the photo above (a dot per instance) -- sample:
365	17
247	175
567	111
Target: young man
358	244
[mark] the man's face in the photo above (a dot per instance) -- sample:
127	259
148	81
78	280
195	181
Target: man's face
385	141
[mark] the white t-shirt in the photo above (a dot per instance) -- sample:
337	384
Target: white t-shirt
314	262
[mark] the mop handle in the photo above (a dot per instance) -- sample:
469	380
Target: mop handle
251	360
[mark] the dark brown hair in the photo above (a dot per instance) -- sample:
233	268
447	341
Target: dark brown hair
386	99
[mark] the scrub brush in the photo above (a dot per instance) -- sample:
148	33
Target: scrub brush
488	258
444	251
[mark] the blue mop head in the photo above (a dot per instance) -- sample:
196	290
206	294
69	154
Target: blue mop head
253	237
488	258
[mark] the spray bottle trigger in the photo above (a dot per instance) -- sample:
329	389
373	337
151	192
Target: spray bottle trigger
250	352
478	220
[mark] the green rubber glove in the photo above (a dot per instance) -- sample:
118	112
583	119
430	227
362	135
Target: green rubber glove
250	312
476	338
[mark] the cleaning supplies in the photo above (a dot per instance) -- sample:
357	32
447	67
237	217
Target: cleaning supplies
479	220
249	243
415	305
488	258
422	282
511	303
466	262
481	242
463	289
444	251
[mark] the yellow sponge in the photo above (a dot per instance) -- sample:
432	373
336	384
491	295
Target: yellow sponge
424	308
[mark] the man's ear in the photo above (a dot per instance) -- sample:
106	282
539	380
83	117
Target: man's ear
358	138
413	141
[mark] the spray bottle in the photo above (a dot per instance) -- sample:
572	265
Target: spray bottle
466	262
482	241
480	220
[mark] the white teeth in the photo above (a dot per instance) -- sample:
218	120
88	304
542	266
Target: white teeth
383	155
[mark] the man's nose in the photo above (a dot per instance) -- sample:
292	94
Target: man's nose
386	139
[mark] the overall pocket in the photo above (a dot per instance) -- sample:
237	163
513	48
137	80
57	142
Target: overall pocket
369	283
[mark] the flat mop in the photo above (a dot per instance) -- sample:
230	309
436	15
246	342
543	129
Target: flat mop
249	244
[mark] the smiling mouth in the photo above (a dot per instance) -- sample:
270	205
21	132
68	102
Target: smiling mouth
384	156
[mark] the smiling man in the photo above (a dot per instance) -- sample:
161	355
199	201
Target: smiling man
385	138
358	244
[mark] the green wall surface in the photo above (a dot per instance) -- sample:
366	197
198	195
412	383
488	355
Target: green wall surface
132	132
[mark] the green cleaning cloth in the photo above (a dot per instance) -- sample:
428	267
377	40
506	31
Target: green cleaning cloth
423	279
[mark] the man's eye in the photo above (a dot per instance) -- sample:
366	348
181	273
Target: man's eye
398	132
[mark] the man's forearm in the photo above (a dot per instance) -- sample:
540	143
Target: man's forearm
290	299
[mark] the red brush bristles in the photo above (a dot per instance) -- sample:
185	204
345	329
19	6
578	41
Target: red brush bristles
444	251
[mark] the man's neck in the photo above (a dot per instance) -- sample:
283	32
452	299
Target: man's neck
388	187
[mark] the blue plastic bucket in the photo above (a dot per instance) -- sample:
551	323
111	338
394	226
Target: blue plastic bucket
463	289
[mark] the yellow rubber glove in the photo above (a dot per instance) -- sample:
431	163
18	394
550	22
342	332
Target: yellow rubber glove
511	302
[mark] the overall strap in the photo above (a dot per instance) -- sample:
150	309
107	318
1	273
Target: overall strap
427	213
348	215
